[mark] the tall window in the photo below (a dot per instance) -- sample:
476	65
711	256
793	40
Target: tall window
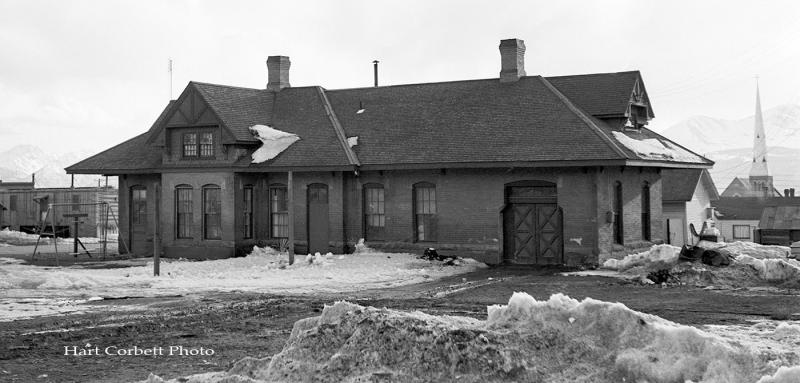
183	212
425	211
212	209
646	211
374	212
617	229
279	212
12	202
247	214
190	144
76	200
207	144
138	205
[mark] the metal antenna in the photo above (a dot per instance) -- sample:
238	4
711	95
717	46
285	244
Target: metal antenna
170	78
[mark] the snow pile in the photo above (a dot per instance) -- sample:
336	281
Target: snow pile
273	142
558	340
262	270
659	256
655	149
755	250
18	238
772	269
362	248
753	264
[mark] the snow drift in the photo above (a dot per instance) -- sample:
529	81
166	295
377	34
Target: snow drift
273	142
753	264
558	340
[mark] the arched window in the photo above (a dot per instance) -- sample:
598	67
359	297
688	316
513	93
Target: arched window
646	211
247	211
617	228
183	211
374	212
425	222
279	211
212	212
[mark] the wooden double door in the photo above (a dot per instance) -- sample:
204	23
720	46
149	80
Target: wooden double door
533	227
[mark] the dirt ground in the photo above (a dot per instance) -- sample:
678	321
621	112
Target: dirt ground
235	325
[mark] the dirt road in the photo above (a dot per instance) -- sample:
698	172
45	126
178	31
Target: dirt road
235	325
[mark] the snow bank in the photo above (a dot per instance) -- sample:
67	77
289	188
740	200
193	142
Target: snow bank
783	375
756	251
273	142
655	149
19	238
769	262
772	269
264	269
558	340
659	256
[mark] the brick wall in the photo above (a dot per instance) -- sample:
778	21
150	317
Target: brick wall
632	179
470	205
196	246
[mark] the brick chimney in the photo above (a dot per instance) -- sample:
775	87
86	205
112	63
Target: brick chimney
512	60
278	68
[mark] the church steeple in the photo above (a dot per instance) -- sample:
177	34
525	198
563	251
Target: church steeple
759	166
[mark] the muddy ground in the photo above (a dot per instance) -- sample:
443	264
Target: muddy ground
235	325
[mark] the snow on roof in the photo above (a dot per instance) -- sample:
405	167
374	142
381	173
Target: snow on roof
655	149
352	141
273	141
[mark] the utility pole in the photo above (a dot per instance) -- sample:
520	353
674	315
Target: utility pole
290	216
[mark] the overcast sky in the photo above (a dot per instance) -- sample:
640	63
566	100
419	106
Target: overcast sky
89	74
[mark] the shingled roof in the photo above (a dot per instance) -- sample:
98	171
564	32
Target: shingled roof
534	121
750	208
600	94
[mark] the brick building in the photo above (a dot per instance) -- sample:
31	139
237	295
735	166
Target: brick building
520	169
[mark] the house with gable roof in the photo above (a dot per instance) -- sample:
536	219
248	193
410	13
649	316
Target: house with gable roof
515	169
687	196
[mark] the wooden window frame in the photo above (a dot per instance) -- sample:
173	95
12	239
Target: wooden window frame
212	219
205	150
646	229
190	149
425	212
618	228
733	231
247	211
374	208
278	218
184	209
138	216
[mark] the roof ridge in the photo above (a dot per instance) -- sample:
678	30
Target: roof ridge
415	84
226	86
583	116
337	127
595	74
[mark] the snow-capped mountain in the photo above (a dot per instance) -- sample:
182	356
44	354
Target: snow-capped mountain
729	143
19	162
707	134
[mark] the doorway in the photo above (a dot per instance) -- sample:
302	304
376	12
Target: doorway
317	201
